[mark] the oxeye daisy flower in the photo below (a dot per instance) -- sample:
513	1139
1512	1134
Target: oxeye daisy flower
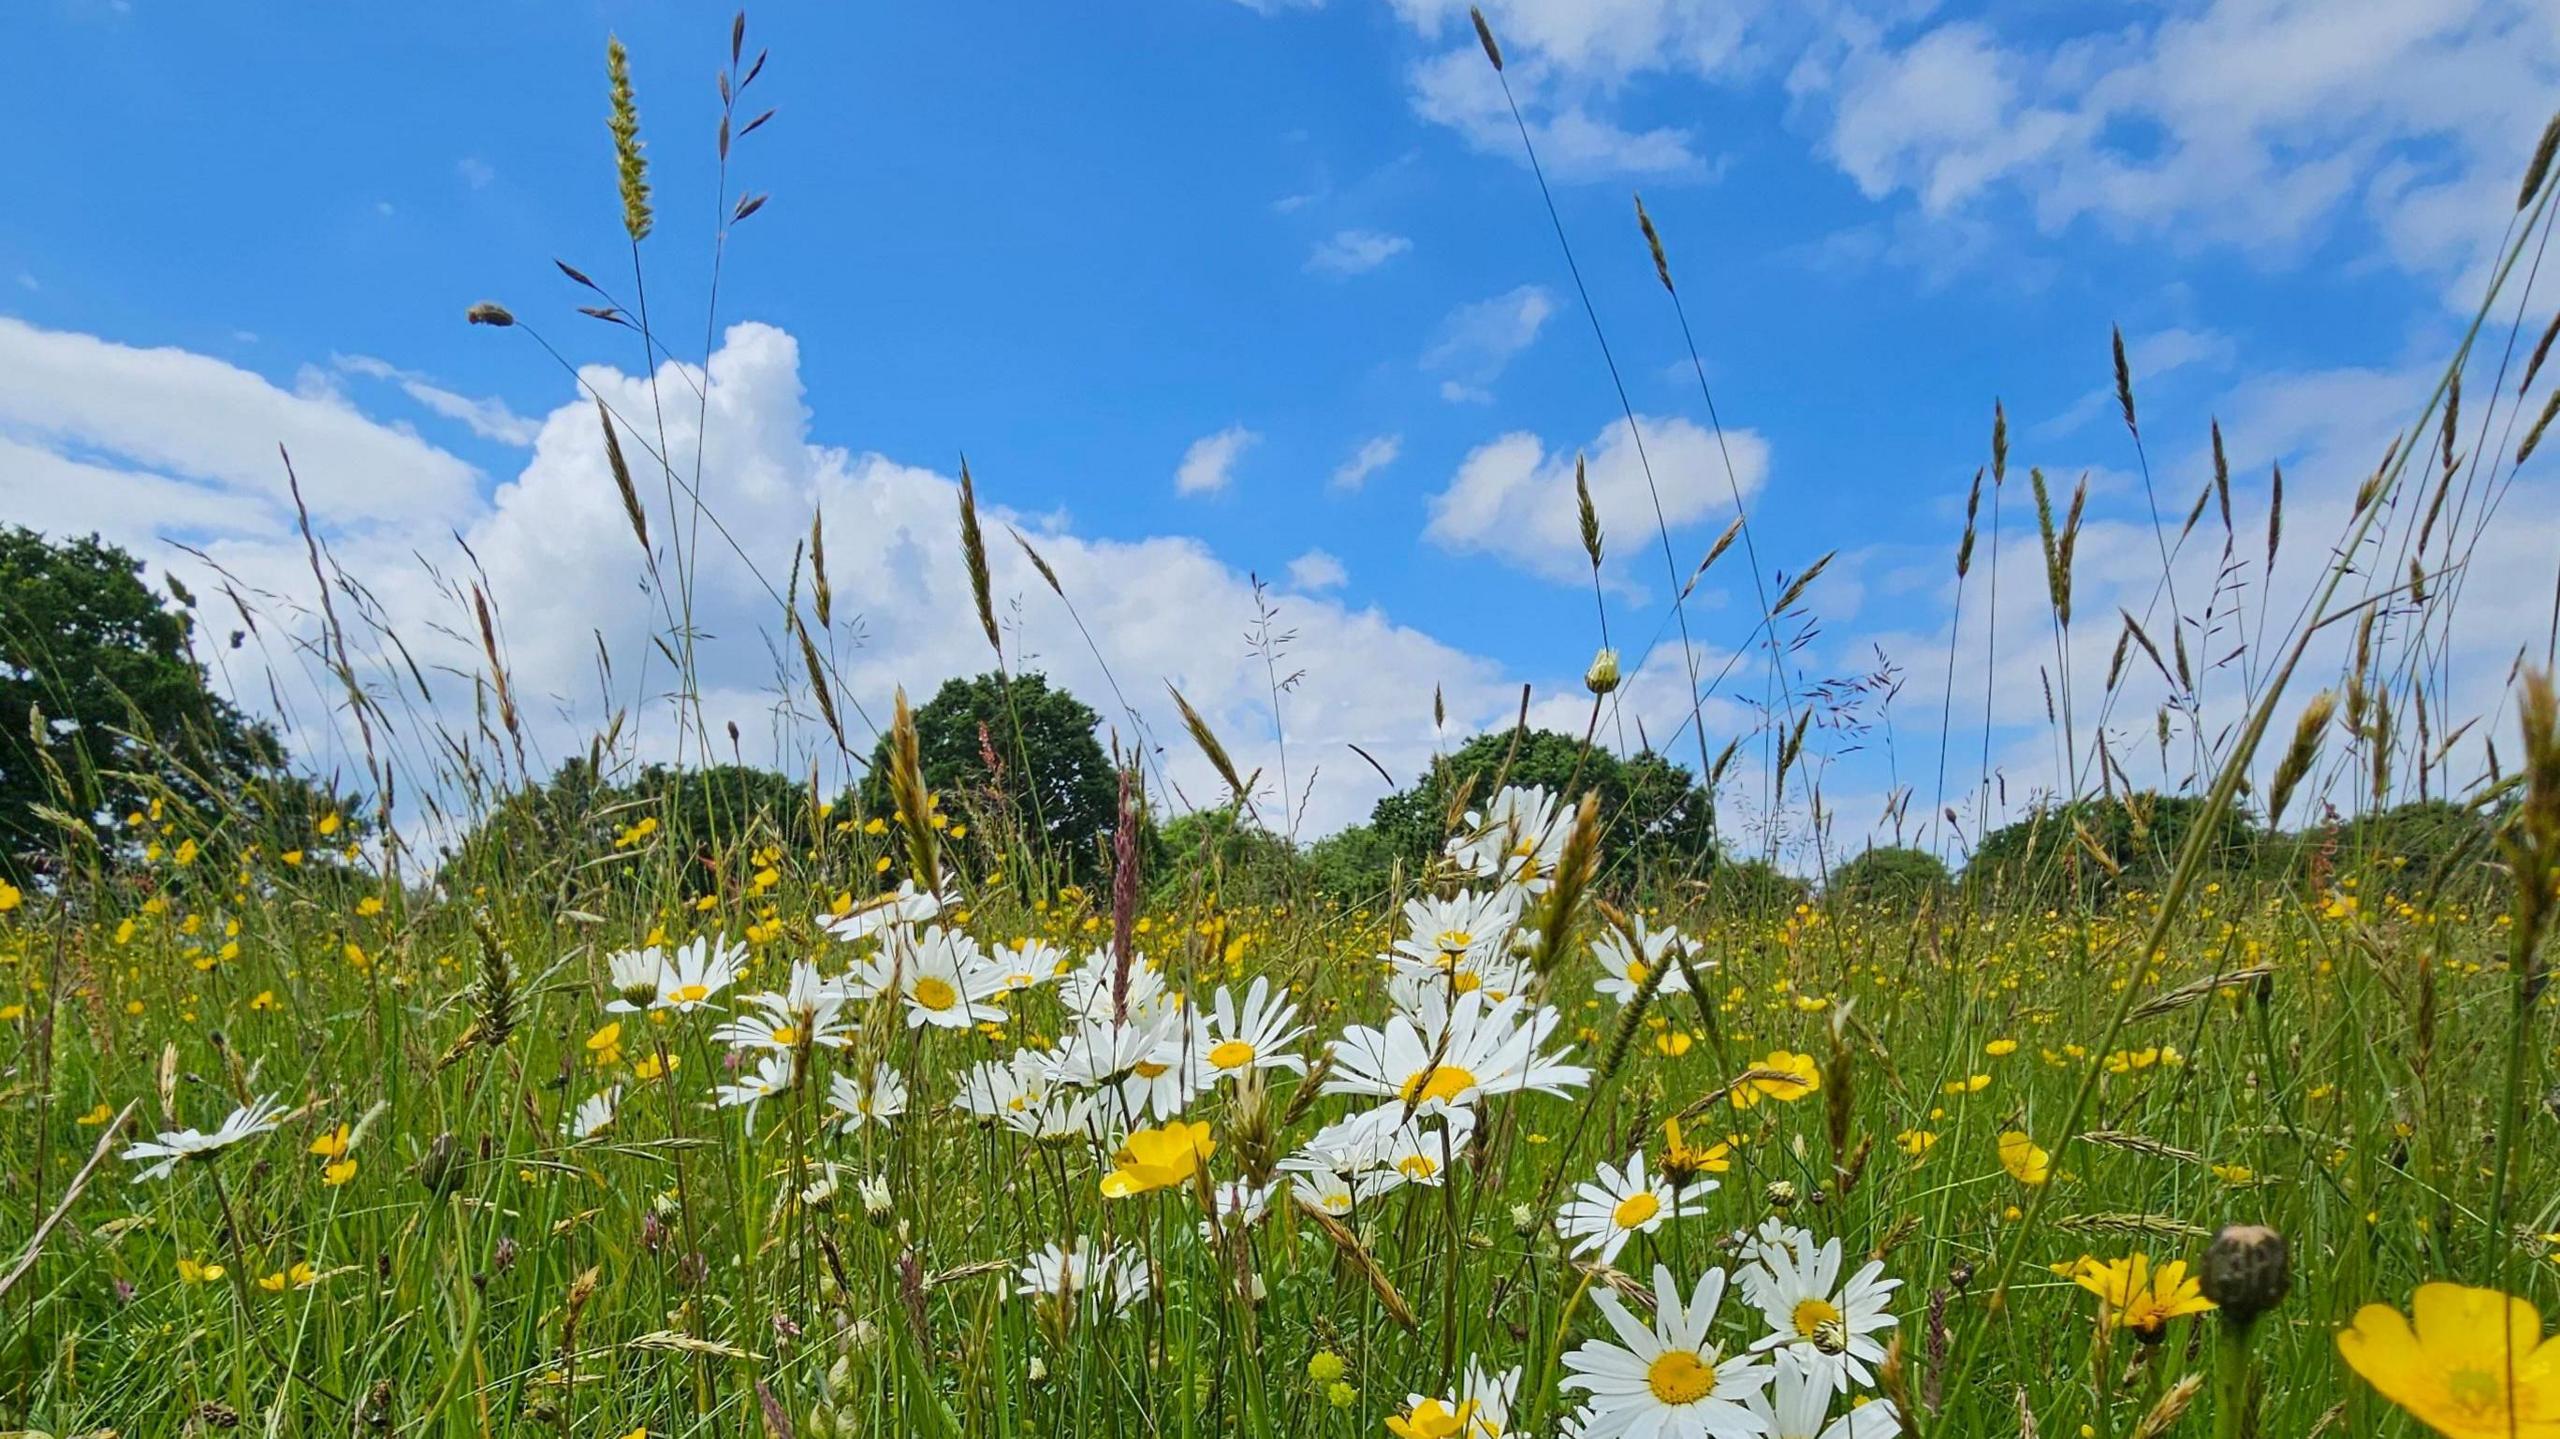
1148	1065
902	908
1626	967
1829	1324
1517	838
878	1101
1448	936
1254	1035
699	970
944	980
594	1114
175	1146
1481	1409
1756	1247
637	976
1096	989
1237	1205
2136	1296
2473	1365
993	1088
1798	1401
1476	1049
773	1073
1096	1278
1603	1216
1670	1381
809	1010
1323	1191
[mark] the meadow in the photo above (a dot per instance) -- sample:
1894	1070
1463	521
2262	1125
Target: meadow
872	1113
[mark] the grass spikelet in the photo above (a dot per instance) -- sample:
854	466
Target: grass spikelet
493	1000
1972	513
2537	168
2140	1144
2541	422
1207	740
973	554
631	168
818	687
1588	514
2275	515
2148	1226
2172	1406
1999	444
2298	755
497	671
914	801
631	506
1795	591
1653	242
2541	352
821	593
1576	867
1715	552
1484	37
1048	576
2124	382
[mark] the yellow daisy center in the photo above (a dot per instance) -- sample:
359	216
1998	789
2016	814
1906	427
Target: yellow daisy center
1234	1054
1635	1209
689	993
1455	941
1439	1081
1465	981
1417	1167
1148	1069
935	993
1680	1377
1812	1314
786	1036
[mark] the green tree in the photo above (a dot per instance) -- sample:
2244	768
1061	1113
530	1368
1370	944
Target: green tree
1048	779
1891	874
1652	813
127	712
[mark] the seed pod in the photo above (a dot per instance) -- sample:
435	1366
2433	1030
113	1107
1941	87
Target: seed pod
2247	1270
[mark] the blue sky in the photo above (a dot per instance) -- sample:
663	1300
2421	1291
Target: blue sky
1075	242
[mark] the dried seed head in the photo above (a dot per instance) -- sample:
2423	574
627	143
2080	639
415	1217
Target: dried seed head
490	312
630	166
2248	1270
1484	35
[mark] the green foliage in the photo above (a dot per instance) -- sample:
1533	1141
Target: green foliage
126	712
1653	816
2043	859
1892	875
1019	752
1351	865
1238	860
1753	888
2424	847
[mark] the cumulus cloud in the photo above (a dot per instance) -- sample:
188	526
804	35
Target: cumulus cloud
1316	571
1375	454
1513	498
568	582
490	419
1208	467
1355	252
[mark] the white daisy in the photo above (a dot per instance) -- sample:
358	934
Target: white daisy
1323	1191
944	979
1441	935
993	1088
1800	1400
809	1008
594	1114
878	1102
637	975
1602	1217
1754	1246
1062	1117
773	1074
1626	966
1516	838
175	1146
1670	1381
1237	1204
699	970
1148	1065
1481	1409
1415	991
1094	989
1482	1049
1829	1324
1027	963
1254	1035
1101	1279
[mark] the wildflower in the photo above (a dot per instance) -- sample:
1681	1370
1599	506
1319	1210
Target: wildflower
1517	838
1324	1367
1254	1035
1683	1162
337	1172
1915	1142
1799	1400
1670	1379
696	972
604	1047
1782	1076
1152	1159
174	1145
2025	1160
807	1011
1828	1323
880	1100
1602	1217
1971	1084
301	1275
1098	1276
594	1114
10	896
1627	967
2133	1295
1470	1051
192	1271
773	1073
332	1144
944	979
97	1116
1481	1409
2474	1364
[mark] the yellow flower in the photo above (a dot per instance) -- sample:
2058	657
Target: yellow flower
369	906
193	1272
331	1144
647	1066
1915	1142
292	858
99	1115
186	852
2475	1366
605	1045
1973	1084
2001	1048
338	1173
1432	1419
330	822
1673	1042
1154	1158
265	1001
9	1012
298	1276
10	896
1781	1076
2133	1295
2233	1173
2026	1161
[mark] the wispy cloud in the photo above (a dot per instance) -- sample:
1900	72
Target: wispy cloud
1208	467
490	419
1478	341
1375	454
1355	252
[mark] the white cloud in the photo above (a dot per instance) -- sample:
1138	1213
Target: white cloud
208	431
1316	571
2249	123
475	172
489	418
566	579
1514	499
1208	467
1575	141
1355	252
1375	454
1478	341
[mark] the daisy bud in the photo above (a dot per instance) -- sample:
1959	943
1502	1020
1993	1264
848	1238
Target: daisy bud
1524	1220
875	1199
1602	677
1781	1195
1039	1370
2247	1270
438	1170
